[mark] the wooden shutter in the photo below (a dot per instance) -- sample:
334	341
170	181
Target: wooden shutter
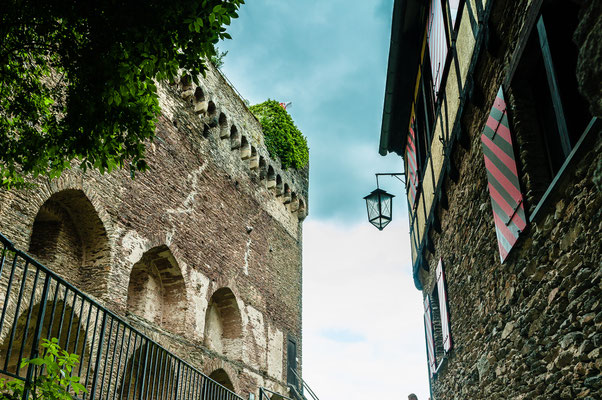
430	340
504	188
442	293
412	176
437	41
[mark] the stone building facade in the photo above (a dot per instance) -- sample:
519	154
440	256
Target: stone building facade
494	106
202	253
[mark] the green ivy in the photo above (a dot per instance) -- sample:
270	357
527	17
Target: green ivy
282	138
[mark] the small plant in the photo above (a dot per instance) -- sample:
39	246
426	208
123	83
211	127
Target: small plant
218	59
282	138
55	381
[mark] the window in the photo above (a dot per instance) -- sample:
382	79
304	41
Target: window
548	113
291	362
441	15
436	322
530	134
421	132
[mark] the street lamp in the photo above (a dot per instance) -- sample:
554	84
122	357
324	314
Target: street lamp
379	204
379	208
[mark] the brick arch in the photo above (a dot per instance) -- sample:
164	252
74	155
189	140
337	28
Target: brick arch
61	321
158	382
157	290
69	237
222	377
223	324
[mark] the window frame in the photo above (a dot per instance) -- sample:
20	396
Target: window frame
569	143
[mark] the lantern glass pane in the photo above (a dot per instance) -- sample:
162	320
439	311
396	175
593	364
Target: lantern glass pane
372	204
385	208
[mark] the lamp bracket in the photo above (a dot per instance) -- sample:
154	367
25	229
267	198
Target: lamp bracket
397	175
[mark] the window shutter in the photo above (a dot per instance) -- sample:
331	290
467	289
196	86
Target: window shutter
428	329
441	289
437	42
412	165
504	188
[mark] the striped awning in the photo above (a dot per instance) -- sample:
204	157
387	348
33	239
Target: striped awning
502	175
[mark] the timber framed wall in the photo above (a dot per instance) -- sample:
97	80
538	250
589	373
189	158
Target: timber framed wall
523	315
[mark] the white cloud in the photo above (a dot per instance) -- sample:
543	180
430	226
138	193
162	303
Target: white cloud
363	334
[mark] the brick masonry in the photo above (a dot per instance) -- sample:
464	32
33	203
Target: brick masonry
202	253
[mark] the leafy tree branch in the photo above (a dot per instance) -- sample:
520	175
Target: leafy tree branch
77	79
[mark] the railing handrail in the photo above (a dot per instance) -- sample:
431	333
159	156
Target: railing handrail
261	394
305	385
8	245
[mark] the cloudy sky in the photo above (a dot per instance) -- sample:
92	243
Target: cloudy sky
363	334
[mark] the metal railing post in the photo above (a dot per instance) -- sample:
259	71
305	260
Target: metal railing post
36	337
98	355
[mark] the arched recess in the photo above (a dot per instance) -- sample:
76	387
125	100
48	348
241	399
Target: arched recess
221	377
234	138
279	187
294	202
61	321
271	176
254	159
223	324
211	109
302	212
199	95
245	148
186	83
262	169
70	239
157	381
286	194
223	126
157	291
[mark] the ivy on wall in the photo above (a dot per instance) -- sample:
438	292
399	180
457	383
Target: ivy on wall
282	138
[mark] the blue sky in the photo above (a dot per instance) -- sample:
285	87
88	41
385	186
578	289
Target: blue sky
363	335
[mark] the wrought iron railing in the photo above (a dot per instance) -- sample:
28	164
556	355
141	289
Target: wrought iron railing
267	394
116	360
303	386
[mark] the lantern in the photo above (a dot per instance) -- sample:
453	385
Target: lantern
379	204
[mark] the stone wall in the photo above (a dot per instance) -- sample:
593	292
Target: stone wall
529	328
202	253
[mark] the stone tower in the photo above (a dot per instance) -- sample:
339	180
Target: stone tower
202	254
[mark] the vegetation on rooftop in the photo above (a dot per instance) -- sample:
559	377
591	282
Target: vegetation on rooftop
282	138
